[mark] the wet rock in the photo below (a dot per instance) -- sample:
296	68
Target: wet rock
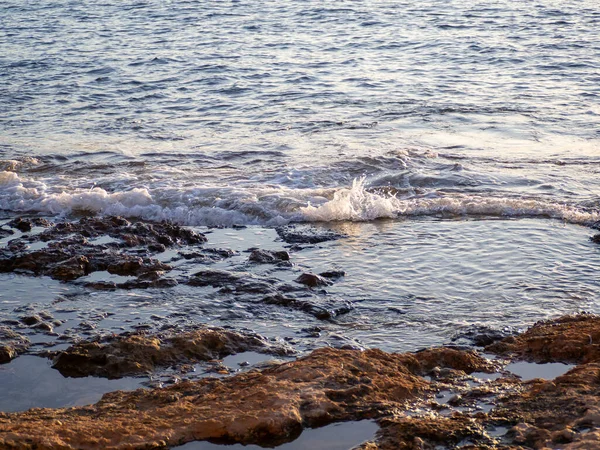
306	235
312	280
268	257
268	407
11	344
414	433
141	283
70	269
132	354
31	320
25	225
333	274
233	282
595	239
482	336
307	306
573	339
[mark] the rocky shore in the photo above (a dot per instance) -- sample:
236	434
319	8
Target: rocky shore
465	395
401	392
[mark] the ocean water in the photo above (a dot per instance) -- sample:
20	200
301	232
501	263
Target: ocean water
457	144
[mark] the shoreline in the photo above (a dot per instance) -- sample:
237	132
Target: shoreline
230	384
419	400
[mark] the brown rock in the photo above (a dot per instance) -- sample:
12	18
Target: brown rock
312	280
268	407
71	269
11	344
133	354
567	339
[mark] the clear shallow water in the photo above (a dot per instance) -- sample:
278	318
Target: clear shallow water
337	436
408	284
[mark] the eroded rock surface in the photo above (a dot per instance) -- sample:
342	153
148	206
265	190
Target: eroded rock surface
134	354
272	406
574	339
67	251
11	344
300	234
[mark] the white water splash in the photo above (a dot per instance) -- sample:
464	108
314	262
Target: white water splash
268	206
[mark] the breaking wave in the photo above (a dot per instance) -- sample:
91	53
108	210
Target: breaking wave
271	206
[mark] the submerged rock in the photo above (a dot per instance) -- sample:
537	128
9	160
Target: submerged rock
11	344
26	225
133	354
306	235
268	256
482	336
72	249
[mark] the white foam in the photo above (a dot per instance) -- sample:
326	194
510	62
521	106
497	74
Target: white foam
266	205
357	204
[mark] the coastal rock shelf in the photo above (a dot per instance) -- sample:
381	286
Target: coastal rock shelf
402	392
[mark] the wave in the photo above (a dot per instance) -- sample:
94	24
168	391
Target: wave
271	206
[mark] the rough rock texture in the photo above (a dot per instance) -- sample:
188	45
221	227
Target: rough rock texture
272	406
297	234
71	252
267	407
257	407
408	433
260	256
134	354
574	339
11	344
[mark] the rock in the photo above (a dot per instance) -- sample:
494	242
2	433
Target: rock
233	282
5	233
133	354
266	408
272	405
312	280
573	339
70	269
482	336
306	235
11	344
317	311
333	274
7	354
268	257
595	239
30	320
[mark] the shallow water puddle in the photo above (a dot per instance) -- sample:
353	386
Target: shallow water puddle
337	436
245	359
33	383
529	371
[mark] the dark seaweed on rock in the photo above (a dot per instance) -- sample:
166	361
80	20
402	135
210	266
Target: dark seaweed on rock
71	254
295	234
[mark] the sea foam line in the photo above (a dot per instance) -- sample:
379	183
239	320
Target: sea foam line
227	207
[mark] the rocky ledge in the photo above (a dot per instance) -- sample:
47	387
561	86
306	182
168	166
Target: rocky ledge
401	392
138	353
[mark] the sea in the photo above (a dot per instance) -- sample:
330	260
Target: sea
455	145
